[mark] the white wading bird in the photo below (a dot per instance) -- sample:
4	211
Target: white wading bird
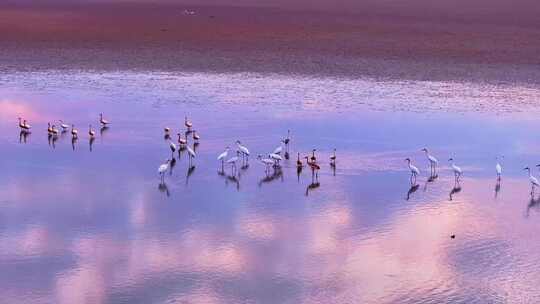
433	162
163	168
74	132
64	126
243	149
172	146
188	124
457	170
414	170
267	162
103	121
91	132
232	161
223	156
276	158
23	125
196	136
498	168
532	179
287	139
333	159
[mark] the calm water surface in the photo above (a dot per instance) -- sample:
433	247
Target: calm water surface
81	224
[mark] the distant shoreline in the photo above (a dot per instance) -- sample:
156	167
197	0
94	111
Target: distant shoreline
266	40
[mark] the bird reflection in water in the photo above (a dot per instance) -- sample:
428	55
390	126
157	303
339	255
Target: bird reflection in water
497	187
456	189
431	179
73	142
103	130
91	142
189	173
533	203
51	138
412	190
277	174
23	136
163	188
314	185
233	179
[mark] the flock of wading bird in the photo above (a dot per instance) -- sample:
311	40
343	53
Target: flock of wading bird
271	161
53	131
231	158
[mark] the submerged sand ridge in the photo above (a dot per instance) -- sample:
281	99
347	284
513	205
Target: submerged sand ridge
381	44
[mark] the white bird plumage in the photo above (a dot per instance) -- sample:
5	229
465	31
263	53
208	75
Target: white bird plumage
457	170
413	168
532	179
63	125
432	160
172	146
498	168
267	162
223	155
243	149
163	168
103	121
278	150
191	154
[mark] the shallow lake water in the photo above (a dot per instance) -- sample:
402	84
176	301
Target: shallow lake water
83	223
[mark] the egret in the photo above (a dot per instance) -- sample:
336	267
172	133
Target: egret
163	168
167	134
188	124
278	150
182	141
172	146
232	161
243	149
222	157
333	159
414	170
498	169
91	132
267	162
456	169
74	132
23	125
63	126
287	139
432	161
313	158
54	130
532	179
196	136
26	125
276	158
314	167
191	154
299	163
103	121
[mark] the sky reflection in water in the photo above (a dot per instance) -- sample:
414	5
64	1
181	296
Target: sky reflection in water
81	226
